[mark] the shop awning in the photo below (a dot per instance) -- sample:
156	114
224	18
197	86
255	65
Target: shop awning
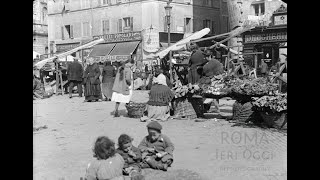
101	49
122	51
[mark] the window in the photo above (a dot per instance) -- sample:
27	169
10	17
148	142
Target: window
118	1
106	2
85	29
259	8
119	25
105	27
206	23
213	29
69	29
187	25
85	4
205	2
128	24
44	15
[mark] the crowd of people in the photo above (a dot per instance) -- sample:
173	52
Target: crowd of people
155	151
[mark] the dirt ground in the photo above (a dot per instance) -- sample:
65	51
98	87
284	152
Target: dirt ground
215	148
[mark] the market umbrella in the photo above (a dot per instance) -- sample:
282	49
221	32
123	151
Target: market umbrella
40	64
35	54
177	45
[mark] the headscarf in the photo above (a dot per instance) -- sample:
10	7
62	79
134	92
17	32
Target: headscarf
161	79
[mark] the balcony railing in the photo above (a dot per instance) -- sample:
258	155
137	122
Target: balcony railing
40	29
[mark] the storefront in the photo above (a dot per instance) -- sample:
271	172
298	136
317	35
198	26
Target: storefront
117	47
270	40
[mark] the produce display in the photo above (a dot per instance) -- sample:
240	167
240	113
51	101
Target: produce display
185	90
253	87
274	103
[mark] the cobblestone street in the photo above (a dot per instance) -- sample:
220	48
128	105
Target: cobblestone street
214	148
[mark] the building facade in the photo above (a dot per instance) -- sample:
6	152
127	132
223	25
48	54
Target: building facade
73	22
240	10
40	27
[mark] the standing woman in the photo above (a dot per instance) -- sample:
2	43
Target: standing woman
122	87
196	61
92	88
108	74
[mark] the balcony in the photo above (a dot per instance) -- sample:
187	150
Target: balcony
40	29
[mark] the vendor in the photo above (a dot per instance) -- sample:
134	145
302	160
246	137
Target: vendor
212	68
160	97
196	61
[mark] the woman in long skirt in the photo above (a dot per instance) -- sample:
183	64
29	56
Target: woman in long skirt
92	88
108	74
122	87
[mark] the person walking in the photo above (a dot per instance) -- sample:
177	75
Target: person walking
108	74
122	87
75	73
92	88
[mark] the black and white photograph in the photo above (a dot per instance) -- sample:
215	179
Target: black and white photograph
159	90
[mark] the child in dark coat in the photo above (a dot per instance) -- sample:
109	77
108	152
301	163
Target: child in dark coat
131	155
156	148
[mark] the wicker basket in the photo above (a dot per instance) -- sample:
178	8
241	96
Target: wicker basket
189	108
275	120
242	112
136	110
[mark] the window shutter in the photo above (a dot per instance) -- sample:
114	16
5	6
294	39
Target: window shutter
185	25
120	25
204	23
71	31
62	32
99	2
165	25
131	23
213	28
107	26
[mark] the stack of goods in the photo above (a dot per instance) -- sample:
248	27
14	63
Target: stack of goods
243	90
214	87
186	105
273	109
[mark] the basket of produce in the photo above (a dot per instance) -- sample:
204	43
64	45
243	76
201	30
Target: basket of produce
243	112
186	104
273	109
135	110
244	90
183	109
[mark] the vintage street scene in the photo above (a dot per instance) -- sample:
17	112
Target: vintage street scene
159	90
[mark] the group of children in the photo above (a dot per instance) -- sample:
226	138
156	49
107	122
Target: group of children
154	151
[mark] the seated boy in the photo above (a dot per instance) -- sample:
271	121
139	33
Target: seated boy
156	148
131	156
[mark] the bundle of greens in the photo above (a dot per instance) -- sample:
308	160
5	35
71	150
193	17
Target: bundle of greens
186	90
253	87
274	103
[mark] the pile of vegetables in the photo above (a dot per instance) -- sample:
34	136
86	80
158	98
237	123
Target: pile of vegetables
274	103
253	87
185	90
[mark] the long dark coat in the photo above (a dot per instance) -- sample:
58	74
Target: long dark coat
75	71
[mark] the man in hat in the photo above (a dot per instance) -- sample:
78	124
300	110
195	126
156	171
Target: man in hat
156	148
75	72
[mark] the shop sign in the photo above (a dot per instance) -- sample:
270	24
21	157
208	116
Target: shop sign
65	47
120	37
116	57
266	37
280	20
151	42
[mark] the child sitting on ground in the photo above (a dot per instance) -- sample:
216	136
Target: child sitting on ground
108	164
156	148
131	156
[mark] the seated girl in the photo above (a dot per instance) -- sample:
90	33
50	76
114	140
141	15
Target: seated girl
131	156
108	164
